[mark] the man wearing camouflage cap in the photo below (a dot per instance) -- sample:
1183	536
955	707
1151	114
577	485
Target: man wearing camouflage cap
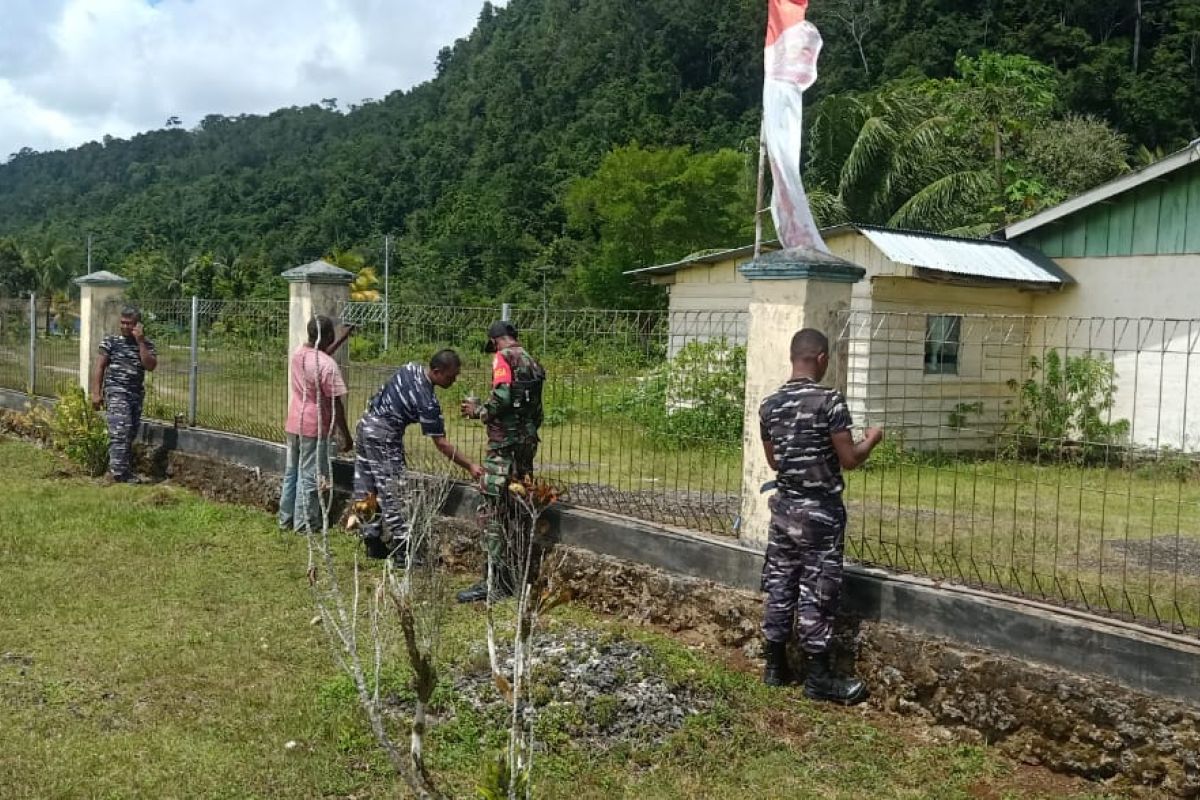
512	414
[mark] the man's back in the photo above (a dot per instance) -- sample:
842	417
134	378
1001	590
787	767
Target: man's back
315	381
798	420
408	398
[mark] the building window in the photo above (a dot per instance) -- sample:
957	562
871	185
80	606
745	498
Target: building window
943	334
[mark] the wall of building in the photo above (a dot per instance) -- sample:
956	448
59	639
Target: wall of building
886	379
1158	218
1142	314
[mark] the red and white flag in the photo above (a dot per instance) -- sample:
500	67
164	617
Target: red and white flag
793	44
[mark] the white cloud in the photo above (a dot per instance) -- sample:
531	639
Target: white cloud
72	71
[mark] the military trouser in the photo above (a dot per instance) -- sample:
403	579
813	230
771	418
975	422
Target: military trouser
124	412
802	575
379	469
498	512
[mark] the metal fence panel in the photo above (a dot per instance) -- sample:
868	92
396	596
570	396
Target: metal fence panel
1053	458
14	343
57	350
240	370
643	408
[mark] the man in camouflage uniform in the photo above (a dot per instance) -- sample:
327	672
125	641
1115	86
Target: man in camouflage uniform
513	415
806	437
118	384
379	461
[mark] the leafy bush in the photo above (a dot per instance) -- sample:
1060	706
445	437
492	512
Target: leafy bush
80	432
696	397
1063	405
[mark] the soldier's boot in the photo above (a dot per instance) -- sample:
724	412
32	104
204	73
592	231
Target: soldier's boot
823	684
502	588
777	671
476	593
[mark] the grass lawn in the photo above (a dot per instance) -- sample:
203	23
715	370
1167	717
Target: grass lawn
1114	539
156	645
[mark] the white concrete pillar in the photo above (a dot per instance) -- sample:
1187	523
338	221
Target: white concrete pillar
790	290
315	289
101	295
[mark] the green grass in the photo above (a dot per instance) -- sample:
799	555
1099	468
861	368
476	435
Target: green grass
1059	532
156	645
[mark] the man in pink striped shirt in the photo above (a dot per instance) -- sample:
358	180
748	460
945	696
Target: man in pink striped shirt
316	412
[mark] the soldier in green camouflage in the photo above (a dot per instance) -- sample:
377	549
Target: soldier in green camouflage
512	414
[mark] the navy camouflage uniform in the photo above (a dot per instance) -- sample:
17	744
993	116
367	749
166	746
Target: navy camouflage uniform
512	414
802	575
379	460
124	392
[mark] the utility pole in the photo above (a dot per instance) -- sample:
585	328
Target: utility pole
387	266
89	255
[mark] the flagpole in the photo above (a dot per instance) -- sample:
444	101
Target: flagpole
758	196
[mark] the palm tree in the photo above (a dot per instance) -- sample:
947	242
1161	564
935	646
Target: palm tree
365	288
49	262
888	158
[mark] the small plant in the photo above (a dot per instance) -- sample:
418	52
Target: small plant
80	432
698	396
500	782
1062	408
962	412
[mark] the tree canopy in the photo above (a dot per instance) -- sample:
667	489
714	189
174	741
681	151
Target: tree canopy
567	140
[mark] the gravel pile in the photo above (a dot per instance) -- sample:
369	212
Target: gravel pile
593	687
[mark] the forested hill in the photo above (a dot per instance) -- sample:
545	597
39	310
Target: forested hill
566	139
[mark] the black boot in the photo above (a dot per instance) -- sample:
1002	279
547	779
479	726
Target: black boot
823	684
473	594
777	671
476	593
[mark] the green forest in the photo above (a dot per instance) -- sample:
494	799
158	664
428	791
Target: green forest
564	141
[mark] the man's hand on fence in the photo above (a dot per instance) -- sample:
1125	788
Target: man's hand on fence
476	471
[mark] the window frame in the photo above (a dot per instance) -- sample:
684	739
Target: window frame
934	360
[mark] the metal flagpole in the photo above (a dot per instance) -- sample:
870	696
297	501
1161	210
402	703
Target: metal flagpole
758	196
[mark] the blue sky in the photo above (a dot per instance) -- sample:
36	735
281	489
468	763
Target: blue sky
72	71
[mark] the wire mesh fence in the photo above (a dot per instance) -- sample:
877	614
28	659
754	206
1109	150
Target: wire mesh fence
39	345
643	409
1053	458
56	353
234	379
14	343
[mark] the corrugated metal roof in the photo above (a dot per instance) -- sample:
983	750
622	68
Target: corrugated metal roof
976	258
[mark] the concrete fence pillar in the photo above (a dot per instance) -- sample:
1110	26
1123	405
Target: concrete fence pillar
100	296
790	290
315	289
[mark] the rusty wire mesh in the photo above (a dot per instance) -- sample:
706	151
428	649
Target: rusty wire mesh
643	408
1053	458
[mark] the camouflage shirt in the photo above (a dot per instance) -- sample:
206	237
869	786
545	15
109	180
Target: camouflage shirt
798	420
513	411
407	398
125	372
